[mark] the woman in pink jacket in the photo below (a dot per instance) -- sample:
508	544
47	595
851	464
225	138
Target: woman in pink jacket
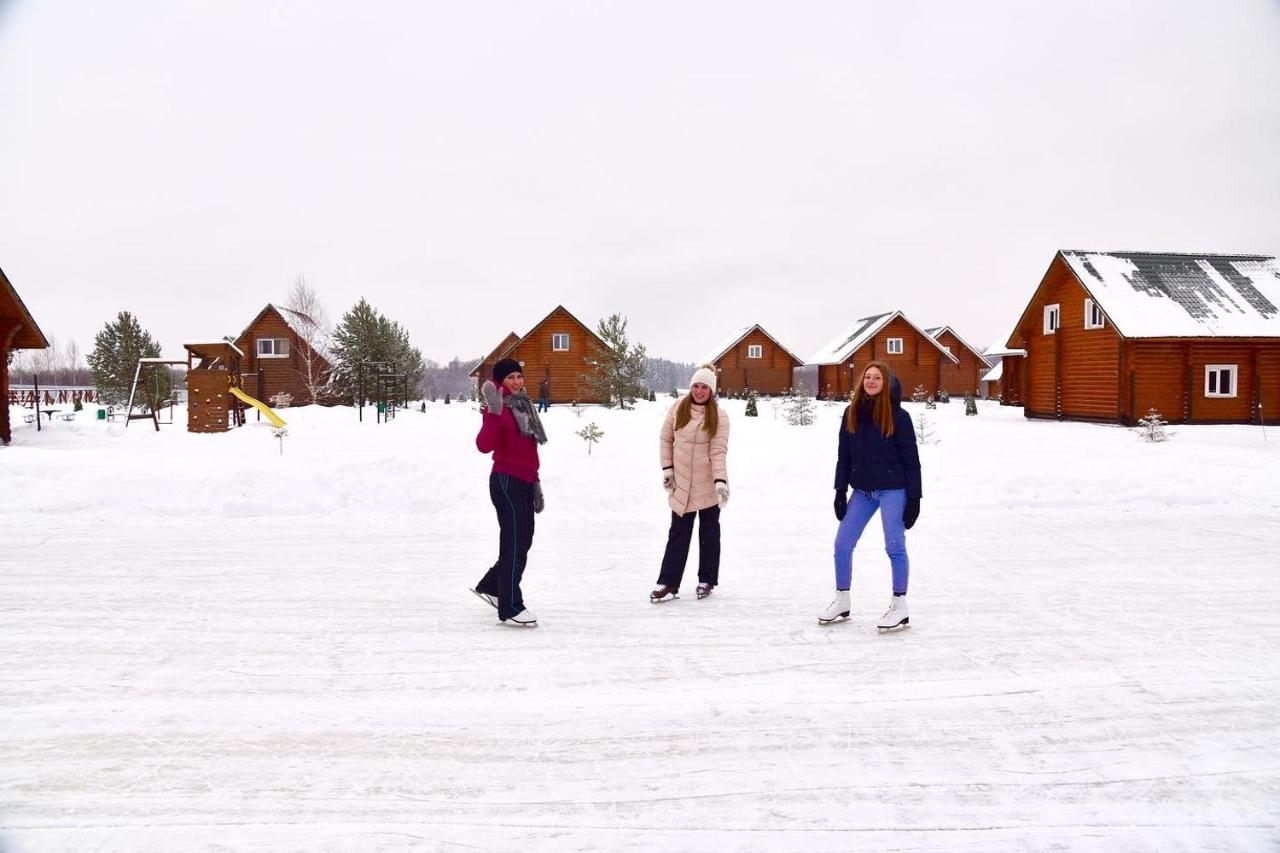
692	449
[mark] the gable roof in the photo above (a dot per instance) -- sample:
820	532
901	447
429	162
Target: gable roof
300	324
936	332
1159	295
29	335
856	334
498	352
732	341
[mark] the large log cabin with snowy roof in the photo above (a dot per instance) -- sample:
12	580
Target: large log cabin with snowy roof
17	331
965	376
752	359
283	355
1108	336
915	358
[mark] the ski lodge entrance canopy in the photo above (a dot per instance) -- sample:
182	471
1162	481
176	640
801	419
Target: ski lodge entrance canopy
17	331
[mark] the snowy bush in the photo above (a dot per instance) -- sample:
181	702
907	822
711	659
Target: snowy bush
591	434
281	400
970	405
918	395
929	402
799	408
944	397
1153	427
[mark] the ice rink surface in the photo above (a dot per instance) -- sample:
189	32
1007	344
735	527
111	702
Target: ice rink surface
207	645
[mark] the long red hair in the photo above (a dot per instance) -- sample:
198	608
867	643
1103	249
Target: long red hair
881	404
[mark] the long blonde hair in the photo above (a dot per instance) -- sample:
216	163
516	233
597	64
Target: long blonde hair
710	418
881	404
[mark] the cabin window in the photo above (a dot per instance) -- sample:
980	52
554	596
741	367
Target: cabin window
273	347
1093	318
894	346
1052	318
560	342
1220	380
755	351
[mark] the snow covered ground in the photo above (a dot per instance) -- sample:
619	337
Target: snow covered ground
206	645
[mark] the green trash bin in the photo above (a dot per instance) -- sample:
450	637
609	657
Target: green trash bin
382	408
102	414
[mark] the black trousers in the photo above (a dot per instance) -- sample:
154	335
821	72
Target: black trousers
678	547
513	501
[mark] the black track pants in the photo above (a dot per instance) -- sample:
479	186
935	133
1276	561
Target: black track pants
513	501
678	547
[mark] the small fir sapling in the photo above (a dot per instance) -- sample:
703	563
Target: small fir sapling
970	405
926	432
577	410
752	411
446	398
675	393
930	403
653	398
1153	427
591	434
280	433
918	395
799	408
944	396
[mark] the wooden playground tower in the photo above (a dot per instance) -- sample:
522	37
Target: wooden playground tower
213	371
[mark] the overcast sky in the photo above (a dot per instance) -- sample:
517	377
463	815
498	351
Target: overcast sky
695	166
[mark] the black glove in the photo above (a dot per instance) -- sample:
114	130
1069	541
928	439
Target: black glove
842	505
538	504
910	512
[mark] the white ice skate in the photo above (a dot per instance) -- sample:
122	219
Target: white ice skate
896	616
837	610
524	619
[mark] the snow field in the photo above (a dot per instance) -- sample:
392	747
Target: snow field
209	646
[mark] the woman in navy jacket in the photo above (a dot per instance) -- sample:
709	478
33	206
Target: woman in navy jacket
879	459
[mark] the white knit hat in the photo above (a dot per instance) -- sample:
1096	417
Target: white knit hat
706	376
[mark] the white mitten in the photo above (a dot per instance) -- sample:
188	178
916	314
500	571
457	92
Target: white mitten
669	480
722	494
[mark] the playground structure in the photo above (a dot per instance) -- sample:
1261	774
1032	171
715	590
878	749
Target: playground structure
381	384
216	400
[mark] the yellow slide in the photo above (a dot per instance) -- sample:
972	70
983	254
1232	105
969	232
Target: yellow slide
272	417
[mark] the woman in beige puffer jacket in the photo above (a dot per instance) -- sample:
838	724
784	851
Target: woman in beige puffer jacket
693	448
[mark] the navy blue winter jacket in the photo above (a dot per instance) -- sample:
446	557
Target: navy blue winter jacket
869	461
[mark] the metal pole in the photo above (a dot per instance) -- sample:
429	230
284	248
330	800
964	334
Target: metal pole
35	380
360	390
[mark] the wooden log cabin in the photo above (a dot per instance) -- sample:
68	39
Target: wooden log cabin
484	370
18	330
752	359
1107	336
965	376
558	349
282	355
915	358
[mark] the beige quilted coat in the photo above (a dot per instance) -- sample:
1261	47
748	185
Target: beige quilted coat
698	459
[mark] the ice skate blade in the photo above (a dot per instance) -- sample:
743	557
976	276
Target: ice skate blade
653	600
511	623
905	623
843	617
492	602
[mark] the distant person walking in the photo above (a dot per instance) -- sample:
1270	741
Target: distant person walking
878	457
544	394
692	449
511	431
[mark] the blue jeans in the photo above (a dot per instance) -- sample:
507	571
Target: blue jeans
863	505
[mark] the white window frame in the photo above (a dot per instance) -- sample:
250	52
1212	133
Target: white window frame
277	345
559	338
1213	374
1092	310
1052	318
894	346
755	350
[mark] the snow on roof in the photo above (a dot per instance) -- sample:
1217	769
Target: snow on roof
738	335
845	344
936	331
219	342
306	329
995	373
1150	295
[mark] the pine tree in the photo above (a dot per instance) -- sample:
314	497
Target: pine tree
366	338
617	372
591	434
752	411
114	360
925	431
918	395
1153	427
799	408
944	396
970	404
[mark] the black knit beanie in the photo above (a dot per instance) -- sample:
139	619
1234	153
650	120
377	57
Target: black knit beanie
504	368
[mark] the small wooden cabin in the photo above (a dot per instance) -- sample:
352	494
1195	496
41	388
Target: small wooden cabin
752	359
1108	336
278	358
559	349
17	331
915	358
965	376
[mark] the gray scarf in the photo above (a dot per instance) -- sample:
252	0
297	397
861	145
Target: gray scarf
527	417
